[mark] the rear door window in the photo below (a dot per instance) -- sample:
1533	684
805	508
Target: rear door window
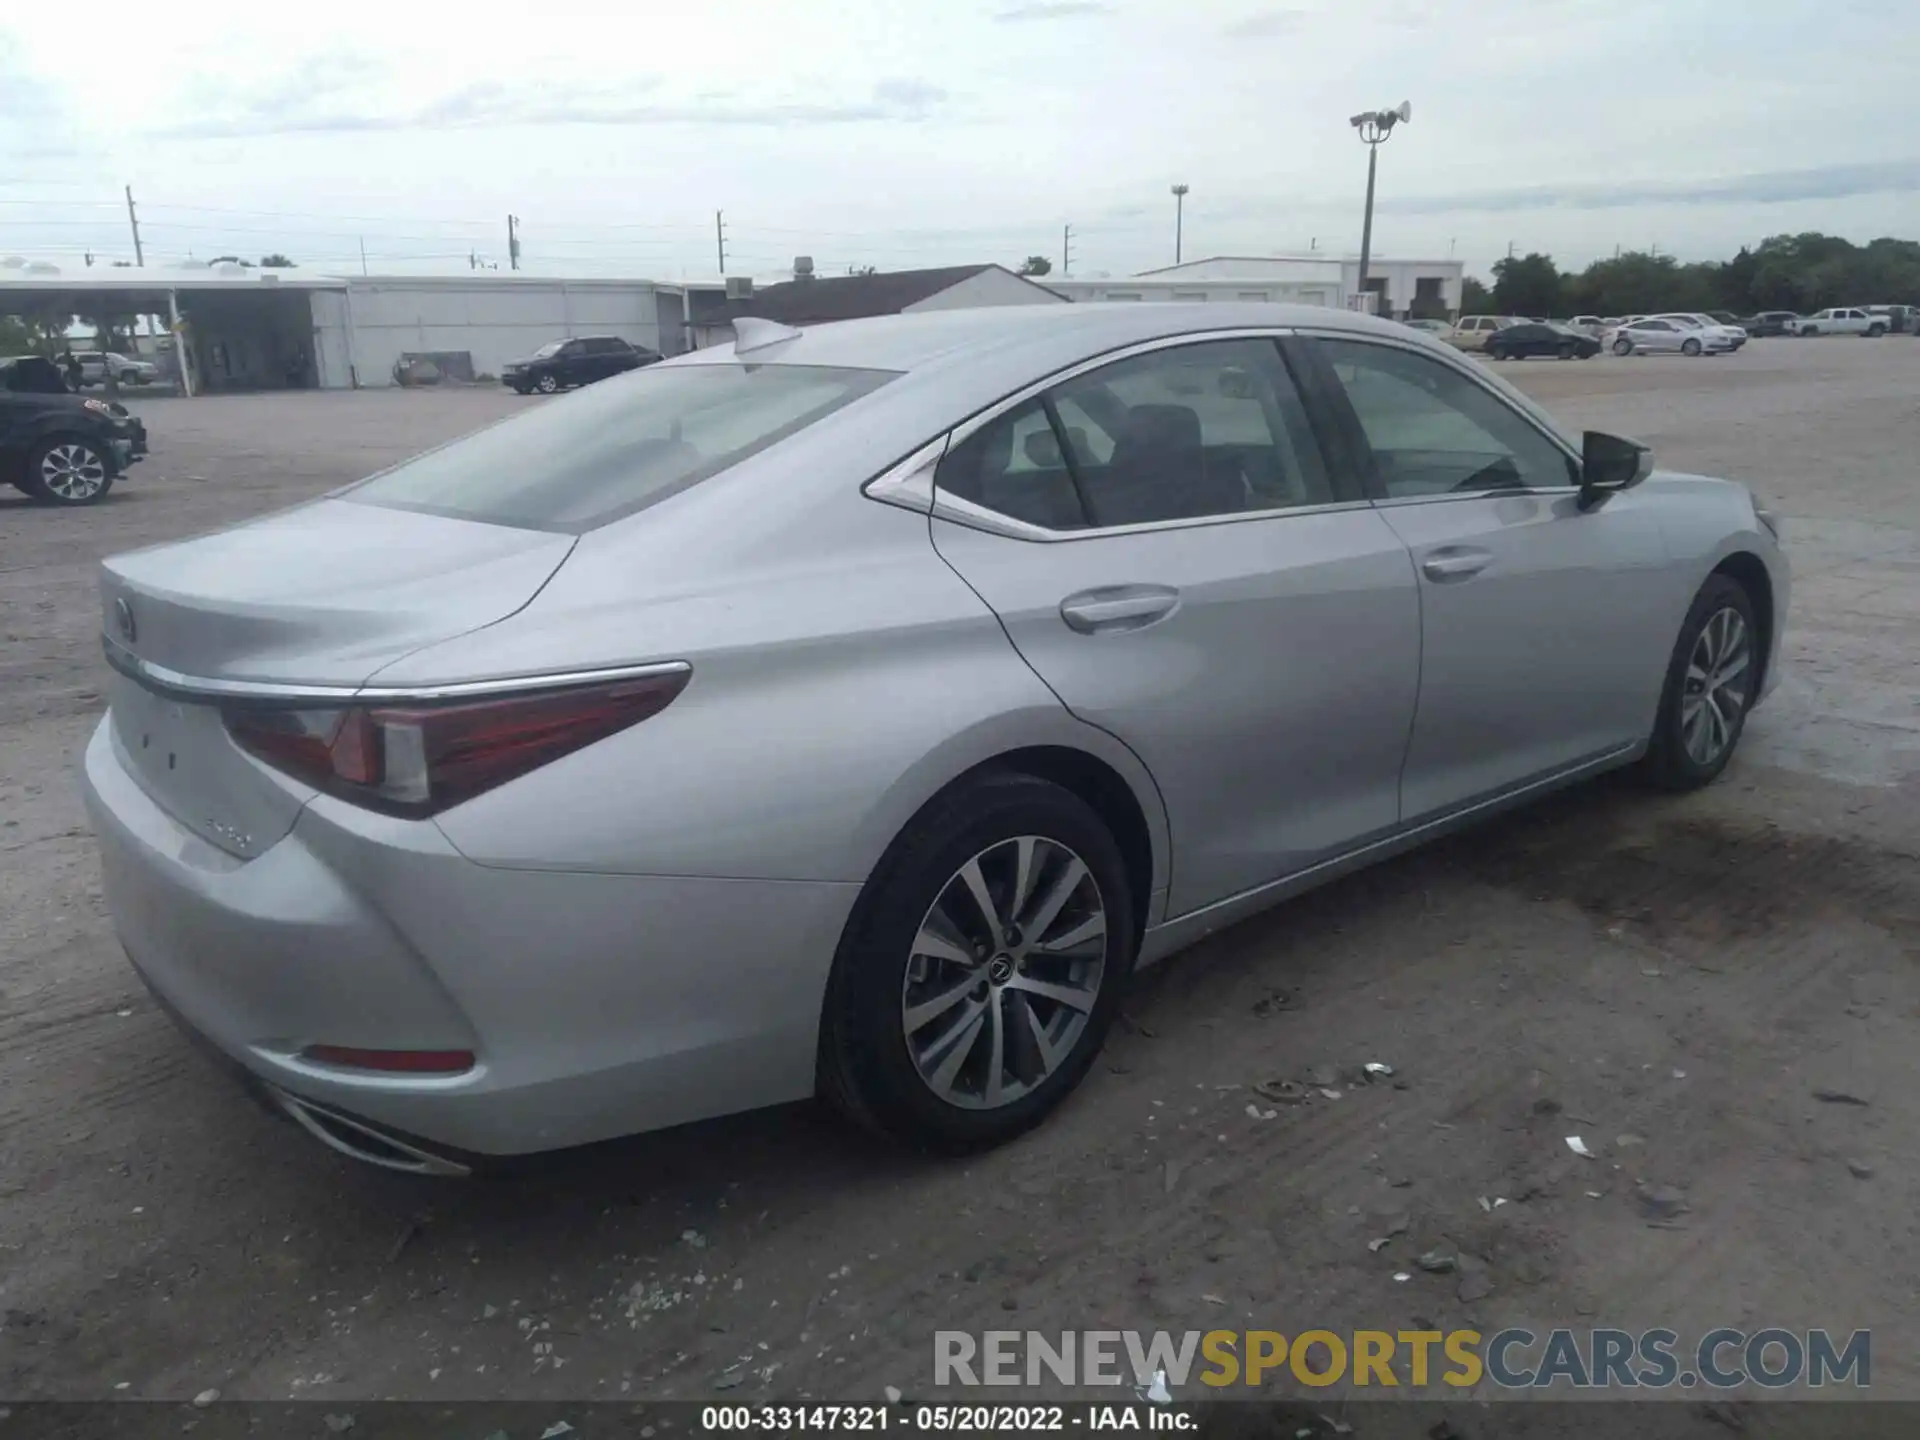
618	446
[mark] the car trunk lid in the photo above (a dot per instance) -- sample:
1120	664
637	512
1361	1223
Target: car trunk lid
319	597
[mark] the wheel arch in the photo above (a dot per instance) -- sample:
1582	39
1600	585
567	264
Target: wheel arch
1750	572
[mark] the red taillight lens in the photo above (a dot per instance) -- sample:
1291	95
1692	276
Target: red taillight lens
418	759
391	1062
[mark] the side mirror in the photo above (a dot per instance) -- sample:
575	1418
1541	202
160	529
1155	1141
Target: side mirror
1609	463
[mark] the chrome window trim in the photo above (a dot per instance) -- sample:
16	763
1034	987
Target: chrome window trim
910	484
165	681
978	517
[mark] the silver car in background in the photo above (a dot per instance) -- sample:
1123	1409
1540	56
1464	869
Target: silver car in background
851	711
1663	335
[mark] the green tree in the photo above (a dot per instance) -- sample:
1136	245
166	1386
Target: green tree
276	261
1527	285
1475	298
1035	265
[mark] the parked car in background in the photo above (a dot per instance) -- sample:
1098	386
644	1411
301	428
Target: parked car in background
564	364
1524	342
1771	322
1588	324
1655	336
472	847
1733	334
95	365
1471	332
1841	320
1437	328
1724	317
1899	318
60	447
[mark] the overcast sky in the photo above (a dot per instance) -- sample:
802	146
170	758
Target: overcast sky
925	132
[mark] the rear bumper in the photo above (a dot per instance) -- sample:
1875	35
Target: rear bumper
596	1005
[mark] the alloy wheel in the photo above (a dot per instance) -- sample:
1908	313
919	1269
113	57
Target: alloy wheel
1005	971
548	384
1718	677
71	471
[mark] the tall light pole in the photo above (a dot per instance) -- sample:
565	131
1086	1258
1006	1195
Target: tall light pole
1179	216
1374	127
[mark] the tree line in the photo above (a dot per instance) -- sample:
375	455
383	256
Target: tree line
1802	273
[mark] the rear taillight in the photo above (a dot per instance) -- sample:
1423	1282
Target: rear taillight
416	759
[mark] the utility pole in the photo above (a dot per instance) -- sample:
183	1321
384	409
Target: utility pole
133	219
1066	250
1179	216
513	241
1509	249
363	254
720	240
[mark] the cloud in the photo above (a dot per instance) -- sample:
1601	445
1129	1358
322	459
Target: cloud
1829	182
1052	10
340	95
1265	22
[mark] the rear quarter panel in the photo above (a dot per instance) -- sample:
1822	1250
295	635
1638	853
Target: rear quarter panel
842	675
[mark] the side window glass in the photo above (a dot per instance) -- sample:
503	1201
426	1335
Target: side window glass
1193	431
1014	467
1433	430
1214	428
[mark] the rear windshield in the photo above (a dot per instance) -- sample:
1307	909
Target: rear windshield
611	449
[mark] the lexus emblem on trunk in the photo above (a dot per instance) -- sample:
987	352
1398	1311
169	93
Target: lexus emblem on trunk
123	617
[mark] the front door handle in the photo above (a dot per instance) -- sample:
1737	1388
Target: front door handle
1445	565
1115	608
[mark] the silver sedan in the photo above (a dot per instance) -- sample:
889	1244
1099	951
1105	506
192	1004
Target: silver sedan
852	711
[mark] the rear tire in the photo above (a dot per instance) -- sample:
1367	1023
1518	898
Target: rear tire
1875	331
1689	347
1709	689
1567	352
920	948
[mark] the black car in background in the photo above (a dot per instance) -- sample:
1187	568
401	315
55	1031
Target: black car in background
1534	337
579	361
1769	322
57	446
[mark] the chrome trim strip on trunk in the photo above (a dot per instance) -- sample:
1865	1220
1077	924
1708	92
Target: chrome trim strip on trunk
180	685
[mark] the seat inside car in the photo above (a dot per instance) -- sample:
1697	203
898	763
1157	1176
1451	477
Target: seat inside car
1159	471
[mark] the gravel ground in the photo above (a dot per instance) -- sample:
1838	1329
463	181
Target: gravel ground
1672	979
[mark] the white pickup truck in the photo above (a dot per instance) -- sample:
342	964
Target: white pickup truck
1841	320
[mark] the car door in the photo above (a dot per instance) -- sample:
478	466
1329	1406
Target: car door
572	364
1168	548
1545	629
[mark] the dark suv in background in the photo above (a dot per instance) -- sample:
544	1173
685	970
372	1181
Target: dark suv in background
57	446
579	361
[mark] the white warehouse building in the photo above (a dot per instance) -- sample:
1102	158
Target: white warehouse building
251	329
1403	287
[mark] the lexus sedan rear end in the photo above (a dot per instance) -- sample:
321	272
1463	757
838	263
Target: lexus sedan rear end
849	712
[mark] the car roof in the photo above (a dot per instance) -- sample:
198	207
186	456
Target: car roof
1024	335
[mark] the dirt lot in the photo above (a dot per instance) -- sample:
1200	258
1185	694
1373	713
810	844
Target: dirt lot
1670	979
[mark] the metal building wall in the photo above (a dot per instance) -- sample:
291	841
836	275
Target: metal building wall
494	319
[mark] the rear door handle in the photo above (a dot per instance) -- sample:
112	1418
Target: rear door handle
1115	608
1445	565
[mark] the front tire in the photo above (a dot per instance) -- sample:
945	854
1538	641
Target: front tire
66	471
1567	352
1710	688
547	384
1623	347
1689	347
1875	331
981	969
